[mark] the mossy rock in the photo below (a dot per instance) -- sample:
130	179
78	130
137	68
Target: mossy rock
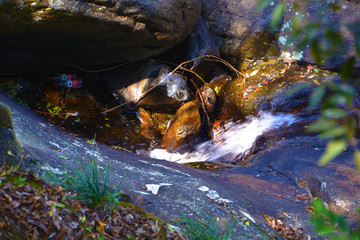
10	150
5	117
271	86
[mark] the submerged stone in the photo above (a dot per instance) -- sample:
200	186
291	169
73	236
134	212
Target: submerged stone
184	126
207	98
149	127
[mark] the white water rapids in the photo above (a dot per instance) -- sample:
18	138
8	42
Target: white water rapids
232	140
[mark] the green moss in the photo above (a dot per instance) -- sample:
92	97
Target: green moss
10	150
256	46
269	85
5	117
162	232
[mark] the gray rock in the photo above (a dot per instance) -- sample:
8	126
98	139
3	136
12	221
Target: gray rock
237	31
201	42
38	34
337	183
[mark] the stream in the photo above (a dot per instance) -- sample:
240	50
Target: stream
91	111
232	142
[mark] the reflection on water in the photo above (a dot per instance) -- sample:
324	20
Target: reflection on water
232	141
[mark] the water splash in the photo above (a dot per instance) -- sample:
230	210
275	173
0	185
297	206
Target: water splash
232	141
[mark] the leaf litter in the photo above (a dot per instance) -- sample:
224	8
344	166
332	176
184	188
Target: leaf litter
31	208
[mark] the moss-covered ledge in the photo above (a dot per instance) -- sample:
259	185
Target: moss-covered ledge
10	150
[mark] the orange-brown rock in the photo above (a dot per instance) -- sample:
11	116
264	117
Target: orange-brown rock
184	126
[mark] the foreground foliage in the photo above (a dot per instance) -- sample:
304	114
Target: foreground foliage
329	224
338	119
90	183
31	208
206	228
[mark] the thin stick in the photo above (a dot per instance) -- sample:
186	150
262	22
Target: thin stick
101	70
180	66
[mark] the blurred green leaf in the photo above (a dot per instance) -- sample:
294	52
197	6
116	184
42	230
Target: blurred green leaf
347	68
297	88
277	16
311	32
337	131
325	230
333	113
322	125
343	88
355	29
350	124
297	24
319	207
342	223
261	5
316	96
334	6
334	36
337	100
333	149
317	52
354	236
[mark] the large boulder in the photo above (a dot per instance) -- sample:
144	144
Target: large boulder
237	31
38	33
347	13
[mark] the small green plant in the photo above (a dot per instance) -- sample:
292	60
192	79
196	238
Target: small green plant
90	183
55	110
206	228
329	224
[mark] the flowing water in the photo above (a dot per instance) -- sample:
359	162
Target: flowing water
231	142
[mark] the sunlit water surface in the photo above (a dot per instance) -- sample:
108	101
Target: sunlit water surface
231	141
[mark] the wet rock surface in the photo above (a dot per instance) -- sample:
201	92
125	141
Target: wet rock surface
38	34
273	86
279	181
337	184
207	98
184	126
